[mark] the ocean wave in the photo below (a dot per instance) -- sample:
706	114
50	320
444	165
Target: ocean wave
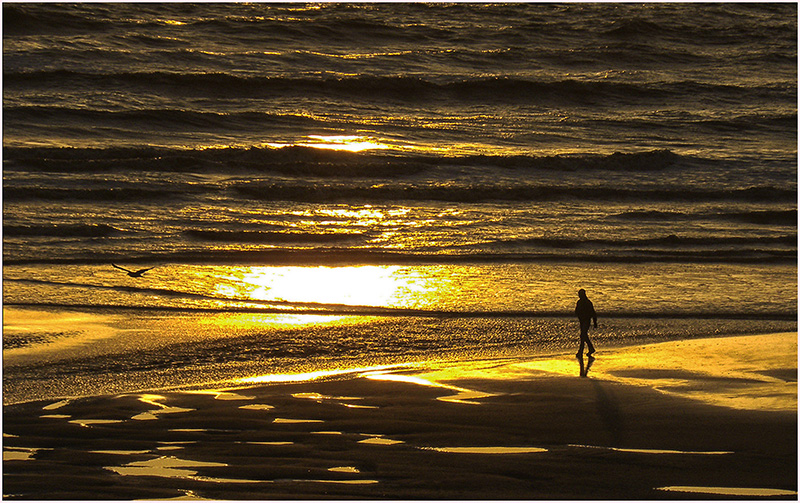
186	120
293	160
407	88
670	241
270	237
479	193
366	30
633	28
655	215
653	160
405	21
768	217
374	256
774	217
119	194
781	123
20	19
309	161
63	230
171	119
327	192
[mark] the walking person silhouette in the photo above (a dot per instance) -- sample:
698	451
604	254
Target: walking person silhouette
584	310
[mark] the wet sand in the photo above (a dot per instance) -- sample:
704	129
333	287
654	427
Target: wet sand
699	419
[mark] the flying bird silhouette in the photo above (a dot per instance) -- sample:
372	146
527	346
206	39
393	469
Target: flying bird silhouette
133	274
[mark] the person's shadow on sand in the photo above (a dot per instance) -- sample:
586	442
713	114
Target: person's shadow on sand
585	367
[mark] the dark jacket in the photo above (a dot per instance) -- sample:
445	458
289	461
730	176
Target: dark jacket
584	310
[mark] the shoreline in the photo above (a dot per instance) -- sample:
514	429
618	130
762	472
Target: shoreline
639	426
322	309
104	353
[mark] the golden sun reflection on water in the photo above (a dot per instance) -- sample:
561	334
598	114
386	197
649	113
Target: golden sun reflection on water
361	143
346	143
381	286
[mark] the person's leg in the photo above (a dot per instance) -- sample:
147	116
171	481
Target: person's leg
589	345
584	335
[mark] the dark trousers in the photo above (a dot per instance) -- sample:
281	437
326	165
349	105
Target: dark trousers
585	335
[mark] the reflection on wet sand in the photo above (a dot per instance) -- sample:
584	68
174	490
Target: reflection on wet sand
744	372
19	453
172	467
540	410
257	406
120	452
281	420
486	450
346	482
222	395
56	405
729	491
344	469
188	496
201	430
270	443
156	400
584	367
714	374
312	376
334	399
463	395
653	451
319	397
379	440
88	423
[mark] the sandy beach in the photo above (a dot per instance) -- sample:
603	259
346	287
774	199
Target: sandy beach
336	250
698	419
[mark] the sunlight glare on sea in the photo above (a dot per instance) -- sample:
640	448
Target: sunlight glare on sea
385	286
347	143
363	143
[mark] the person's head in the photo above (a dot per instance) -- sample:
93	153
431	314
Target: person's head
582	293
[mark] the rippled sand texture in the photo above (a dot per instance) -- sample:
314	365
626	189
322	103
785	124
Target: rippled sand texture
672	420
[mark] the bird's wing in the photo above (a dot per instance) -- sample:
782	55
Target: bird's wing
142	271
118	267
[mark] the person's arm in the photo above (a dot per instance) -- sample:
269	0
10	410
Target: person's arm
594	316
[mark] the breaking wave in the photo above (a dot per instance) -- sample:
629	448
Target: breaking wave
63	230
415	89
767	217
300	160
482	193
270	237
